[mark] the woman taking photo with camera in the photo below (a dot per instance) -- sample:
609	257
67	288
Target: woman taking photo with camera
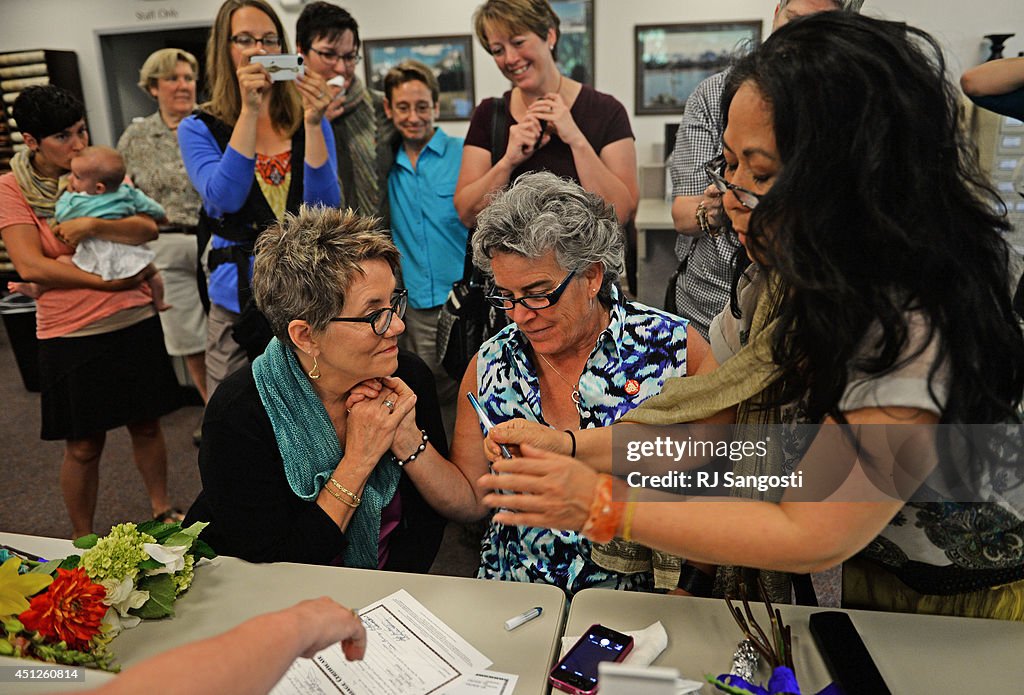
256	150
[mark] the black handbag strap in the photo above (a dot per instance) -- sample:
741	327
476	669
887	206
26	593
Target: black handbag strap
499	141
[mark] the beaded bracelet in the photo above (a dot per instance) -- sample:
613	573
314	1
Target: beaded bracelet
356	499
419	450
605	514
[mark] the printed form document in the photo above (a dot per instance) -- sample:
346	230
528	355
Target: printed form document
409	651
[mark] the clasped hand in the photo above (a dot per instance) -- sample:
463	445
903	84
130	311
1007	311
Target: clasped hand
381	416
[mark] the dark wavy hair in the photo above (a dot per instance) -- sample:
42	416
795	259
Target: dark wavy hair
880	210
42	111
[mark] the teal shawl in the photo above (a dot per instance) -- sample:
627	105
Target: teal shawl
311	451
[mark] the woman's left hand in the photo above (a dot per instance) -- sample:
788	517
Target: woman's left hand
407	436
552	109
550	490
315	97
73	231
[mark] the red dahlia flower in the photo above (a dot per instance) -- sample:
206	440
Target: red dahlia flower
70	610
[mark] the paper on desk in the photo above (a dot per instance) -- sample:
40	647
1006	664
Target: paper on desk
409	651
484	683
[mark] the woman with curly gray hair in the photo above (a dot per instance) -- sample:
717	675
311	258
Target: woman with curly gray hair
577	355
329	448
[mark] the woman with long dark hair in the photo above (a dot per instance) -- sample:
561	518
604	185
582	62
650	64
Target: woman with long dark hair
878	295
256	150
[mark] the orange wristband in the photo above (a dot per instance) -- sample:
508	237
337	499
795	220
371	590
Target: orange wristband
605	514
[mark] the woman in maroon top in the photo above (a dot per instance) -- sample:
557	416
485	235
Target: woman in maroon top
554	122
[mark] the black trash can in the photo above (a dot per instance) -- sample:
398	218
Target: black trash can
19	316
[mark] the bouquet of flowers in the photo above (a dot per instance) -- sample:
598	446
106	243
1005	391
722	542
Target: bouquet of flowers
67	611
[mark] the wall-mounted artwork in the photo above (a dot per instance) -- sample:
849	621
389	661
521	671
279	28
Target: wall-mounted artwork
672	59
576	45
450	57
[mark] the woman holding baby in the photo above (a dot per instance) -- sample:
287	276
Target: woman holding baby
101	356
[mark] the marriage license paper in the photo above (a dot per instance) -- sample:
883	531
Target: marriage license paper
409	651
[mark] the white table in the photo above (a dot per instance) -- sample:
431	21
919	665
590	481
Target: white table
656	259
228	591
914	653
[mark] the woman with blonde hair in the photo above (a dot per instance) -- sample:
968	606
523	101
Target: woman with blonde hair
252	131
153	160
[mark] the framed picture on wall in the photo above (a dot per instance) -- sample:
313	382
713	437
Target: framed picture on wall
450	57
576	45
672	59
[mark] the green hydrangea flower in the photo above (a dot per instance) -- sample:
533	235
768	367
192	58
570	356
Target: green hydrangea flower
117	555
183	579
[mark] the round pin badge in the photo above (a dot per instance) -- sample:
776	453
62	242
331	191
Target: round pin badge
632	387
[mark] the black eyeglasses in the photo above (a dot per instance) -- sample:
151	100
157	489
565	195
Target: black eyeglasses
531	301
331	57
380	320
248	40
714	168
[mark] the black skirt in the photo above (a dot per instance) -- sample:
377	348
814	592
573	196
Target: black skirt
97	383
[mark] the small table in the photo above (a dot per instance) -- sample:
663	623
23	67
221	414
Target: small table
228	591
914	653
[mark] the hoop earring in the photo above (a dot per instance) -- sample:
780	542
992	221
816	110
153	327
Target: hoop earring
314	373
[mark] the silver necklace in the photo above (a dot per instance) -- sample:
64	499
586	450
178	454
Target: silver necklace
575	387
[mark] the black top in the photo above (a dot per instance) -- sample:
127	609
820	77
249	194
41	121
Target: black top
253	512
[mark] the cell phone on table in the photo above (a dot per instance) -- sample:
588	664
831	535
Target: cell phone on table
281	66
485	423
577	670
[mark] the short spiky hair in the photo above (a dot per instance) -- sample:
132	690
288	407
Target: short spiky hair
44	110
305	264
322	19
409	71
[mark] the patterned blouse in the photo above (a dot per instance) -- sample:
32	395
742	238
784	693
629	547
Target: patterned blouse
150	151
634	355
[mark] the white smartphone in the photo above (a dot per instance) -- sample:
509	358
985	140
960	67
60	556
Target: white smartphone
281	66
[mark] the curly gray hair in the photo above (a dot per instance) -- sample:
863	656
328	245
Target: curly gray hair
541	212
305	264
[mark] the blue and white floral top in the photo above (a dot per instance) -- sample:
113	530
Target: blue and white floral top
633	356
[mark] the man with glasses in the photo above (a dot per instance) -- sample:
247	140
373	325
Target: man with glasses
327	37
424	168
700	288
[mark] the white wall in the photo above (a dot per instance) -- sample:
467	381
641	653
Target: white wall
76	24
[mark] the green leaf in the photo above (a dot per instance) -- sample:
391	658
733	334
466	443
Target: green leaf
158	530
195	529
150	564
202	549
180	538
161	590
46	568
70	562
86	542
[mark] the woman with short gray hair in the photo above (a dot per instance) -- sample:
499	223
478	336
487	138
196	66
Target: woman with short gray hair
577	355
329	448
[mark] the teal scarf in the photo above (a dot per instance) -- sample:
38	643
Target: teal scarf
310	449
